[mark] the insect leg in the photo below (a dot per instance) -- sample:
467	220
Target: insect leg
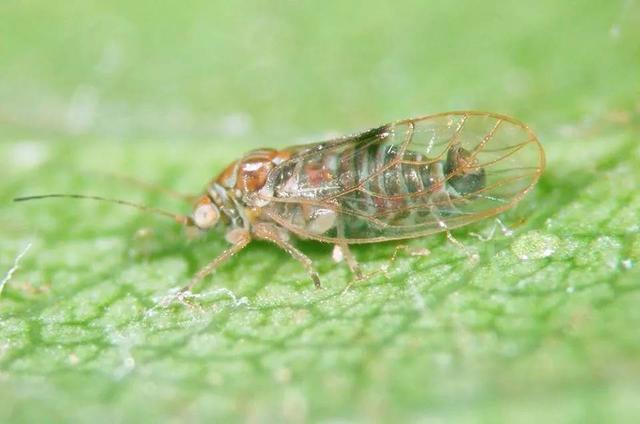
506	231
271	233
348	256
240	242
354	266
471	255
442	224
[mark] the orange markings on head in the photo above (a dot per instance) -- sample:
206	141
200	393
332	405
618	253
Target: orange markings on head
252	175
202	200
281	156
227	177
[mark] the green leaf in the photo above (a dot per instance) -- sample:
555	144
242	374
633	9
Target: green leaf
543	327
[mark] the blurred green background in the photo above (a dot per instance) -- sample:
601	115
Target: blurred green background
170	92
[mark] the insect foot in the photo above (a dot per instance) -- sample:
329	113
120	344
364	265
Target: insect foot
174	296
187	298
506	231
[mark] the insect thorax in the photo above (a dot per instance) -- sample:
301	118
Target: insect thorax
241	180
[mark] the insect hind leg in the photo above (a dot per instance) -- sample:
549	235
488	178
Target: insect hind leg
347	255
435	212
506	231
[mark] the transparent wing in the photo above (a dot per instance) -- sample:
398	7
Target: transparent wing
406	179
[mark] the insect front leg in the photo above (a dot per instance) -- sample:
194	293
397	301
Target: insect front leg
273	234
239	238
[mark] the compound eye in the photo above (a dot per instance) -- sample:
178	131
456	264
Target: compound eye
206	216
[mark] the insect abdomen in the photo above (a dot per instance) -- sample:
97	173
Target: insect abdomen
406	179
384	181
381	184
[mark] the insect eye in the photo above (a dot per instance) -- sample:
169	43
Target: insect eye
206	216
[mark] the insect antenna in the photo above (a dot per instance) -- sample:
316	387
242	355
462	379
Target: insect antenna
182	219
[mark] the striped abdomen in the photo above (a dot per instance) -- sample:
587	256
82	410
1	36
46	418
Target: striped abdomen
384	181
369	177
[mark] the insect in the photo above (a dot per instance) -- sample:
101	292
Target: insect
402	180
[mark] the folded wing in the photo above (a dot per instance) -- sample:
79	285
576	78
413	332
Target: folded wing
406	179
